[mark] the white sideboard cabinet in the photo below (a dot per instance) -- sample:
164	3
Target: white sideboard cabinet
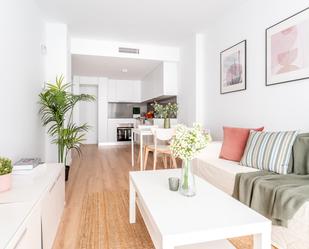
31	211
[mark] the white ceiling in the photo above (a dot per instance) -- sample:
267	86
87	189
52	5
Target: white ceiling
111	67
160	22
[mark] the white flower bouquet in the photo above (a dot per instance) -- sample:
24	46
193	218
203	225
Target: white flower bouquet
186	144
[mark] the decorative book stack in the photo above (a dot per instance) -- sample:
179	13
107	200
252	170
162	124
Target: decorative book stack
26	164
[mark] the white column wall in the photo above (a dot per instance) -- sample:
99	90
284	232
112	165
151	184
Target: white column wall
57	63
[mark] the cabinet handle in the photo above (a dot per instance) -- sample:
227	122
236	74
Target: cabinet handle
52	187
58	177
20	238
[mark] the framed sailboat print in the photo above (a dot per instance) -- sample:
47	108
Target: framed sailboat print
233	68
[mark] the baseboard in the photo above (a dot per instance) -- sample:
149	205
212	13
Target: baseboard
114	144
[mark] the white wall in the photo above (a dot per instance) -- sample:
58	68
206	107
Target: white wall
22	77
191	80
57	63
186	83
277	107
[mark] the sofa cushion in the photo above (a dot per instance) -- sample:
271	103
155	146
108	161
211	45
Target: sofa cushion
234	142
269	150
219	172
299	161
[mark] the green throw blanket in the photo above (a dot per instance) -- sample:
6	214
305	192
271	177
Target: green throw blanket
275	196
278	197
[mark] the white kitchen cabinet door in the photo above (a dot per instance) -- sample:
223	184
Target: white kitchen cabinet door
170	78
52	208
124	90
160	82
112	91
152	84
112	130
136	92
30	234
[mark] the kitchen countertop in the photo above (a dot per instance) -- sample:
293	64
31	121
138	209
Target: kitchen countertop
122	118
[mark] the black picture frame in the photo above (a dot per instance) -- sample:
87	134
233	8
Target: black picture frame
244	42
266	51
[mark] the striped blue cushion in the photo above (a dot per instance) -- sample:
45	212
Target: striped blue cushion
269	150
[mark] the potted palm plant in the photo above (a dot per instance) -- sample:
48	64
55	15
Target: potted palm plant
57	105
166	112
5	174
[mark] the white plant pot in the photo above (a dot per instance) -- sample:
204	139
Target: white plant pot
5	182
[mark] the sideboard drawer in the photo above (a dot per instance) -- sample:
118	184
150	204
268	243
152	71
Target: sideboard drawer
52	208
29	235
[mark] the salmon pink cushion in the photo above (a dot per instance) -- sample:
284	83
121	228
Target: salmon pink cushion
234	142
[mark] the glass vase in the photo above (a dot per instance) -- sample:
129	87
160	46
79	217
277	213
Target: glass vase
187	181
167	123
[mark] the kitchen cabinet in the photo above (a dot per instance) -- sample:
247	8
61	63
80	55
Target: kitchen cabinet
112	127
160	82
124	91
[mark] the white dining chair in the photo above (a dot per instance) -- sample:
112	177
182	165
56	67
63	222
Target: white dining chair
162	137
147	140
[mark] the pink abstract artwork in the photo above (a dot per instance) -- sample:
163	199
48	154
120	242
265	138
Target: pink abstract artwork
233	69
288	50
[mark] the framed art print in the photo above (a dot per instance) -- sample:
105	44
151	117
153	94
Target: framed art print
287	49
233	68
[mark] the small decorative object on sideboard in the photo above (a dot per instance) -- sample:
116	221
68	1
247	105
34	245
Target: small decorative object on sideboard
186	144
5	174
166	112
26	164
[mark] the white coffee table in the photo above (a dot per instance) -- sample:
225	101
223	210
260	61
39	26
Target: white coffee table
204	221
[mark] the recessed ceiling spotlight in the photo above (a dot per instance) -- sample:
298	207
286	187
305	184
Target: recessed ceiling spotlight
124	70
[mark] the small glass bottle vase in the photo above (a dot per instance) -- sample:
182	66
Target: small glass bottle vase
167	123
187	181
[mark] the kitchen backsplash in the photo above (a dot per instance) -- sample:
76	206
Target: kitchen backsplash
124	110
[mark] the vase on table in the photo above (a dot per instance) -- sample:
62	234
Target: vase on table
187	181
167	123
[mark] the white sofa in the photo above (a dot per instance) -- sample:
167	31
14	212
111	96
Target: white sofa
221	173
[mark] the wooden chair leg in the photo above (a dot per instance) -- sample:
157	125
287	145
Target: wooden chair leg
146	158
174	162
164	161
139	156
154	160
